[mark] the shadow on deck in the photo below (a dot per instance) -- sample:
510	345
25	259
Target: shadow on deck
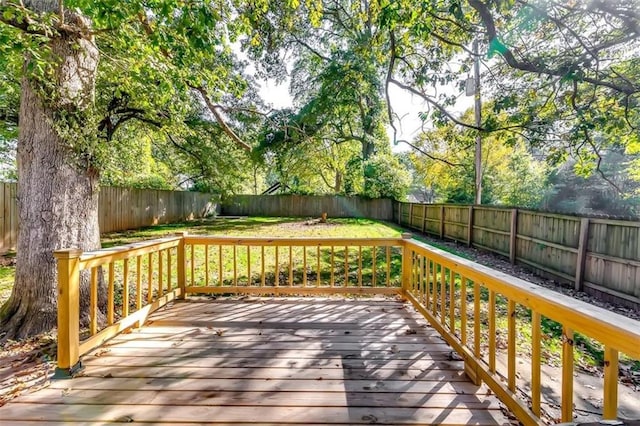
269	361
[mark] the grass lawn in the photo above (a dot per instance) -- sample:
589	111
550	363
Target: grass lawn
262	227
246	226
6	282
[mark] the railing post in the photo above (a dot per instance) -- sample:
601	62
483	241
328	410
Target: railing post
68	312
182	274
406	262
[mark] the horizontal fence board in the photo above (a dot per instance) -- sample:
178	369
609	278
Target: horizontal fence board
549	243
119	209
308	206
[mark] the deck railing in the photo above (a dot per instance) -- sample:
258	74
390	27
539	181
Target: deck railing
472	306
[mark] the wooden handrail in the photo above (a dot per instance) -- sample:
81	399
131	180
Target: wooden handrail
91	259
616	332
295	241
172	267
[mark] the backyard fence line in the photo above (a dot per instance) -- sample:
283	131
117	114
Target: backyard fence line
119	209
598	256
307	206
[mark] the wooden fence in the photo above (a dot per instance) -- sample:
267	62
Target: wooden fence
307	206
124	208
119	209
599	256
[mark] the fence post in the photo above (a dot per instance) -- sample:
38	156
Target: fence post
406	261
410	223
68	312
513	236
424	217
582	253
182	278
470	227
442	222
399	213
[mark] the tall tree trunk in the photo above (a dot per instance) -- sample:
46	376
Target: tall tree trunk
57	196
338	182
367	150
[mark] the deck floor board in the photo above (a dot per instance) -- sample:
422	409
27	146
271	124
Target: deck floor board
268	361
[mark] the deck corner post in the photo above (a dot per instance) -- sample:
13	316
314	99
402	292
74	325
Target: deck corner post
182	265
68	312
406	262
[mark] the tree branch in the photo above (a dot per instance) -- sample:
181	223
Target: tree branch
510	59
433	157
439	107
392	62
223	124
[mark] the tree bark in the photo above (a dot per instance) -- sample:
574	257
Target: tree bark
57	196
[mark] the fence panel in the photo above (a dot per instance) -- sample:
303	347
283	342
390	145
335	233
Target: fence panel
456	222
308	206
119	209
549	242
491	229
613	258
599	256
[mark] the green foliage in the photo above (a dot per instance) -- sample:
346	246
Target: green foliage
511	175
572	191
151	54
384	177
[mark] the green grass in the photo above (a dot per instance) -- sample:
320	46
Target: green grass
258	227
6	282
262	227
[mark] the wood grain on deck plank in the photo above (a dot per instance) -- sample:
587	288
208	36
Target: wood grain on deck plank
268	361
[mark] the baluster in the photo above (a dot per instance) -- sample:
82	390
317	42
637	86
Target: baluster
511	346
567	375
290	266
93	302
388	266
206	265
304	266
277	278
452	301
249	266
492	331
220	271
332	277
150	278
463	310
610	388
125	288
110	294
359	266
160	275
536	325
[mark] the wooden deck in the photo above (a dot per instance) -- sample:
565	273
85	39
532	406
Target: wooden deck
268	361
